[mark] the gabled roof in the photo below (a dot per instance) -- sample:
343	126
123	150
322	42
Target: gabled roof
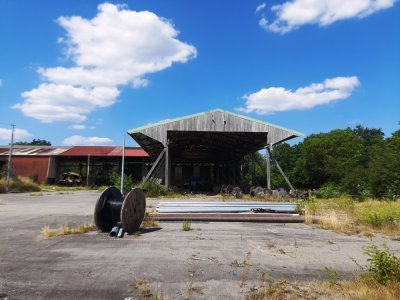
169	121
249	133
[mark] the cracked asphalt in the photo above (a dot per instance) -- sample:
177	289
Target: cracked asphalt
211	261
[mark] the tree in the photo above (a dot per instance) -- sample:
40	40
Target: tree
286	156
254	169
327	157
35	142
384	166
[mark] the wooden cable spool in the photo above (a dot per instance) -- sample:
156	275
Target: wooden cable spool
112	207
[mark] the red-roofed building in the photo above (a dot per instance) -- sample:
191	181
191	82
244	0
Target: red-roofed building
93	163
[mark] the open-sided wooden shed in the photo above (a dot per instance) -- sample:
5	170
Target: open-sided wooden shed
212	144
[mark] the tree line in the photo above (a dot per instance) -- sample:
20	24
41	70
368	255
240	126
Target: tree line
360	162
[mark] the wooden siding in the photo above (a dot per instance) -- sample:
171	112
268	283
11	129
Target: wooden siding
214	121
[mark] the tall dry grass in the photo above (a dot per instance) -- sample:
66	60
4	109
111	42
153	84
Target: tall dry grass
19	184
347	215
47	232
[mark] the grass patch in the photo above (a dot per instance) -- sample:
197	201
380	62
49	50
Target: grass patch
350	216
63	188
47	232
148	221
186	225
324	290
19	184
36	194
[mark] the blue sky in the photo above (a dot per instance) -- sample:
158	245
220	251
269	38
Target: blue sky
84	72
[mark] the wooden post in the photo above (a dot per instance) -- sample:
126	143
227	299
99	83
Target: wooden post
88	170
154	166
167	166
268	167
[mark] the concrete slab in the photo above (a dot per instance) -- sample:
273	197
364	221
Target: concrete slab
211	261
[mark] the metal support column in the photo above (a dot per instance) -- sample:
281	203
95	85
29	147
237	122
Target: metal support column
268	166
167	165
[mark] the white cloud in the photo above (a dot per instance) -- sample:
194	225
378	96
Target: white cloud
293	14
19	134
51	102
260	7
86	141
80	127
277	99
117	47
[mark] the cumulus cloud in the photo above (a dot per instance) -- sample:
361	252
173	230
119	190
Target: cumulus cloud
293	14
80	127
118	47
86	140
277	99
19	134
51	102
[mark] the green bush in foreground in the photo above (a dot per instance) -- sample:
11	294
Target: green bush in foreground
383	267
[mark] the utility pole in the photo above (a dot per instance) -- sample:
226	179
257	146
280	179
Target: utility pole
123	167
9	158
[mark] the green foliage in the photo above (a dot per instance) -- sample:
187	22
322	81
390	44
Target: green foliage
332	276
383	266
186	225
329	190
154	189
380	214
359	162
254	169
327	157
115	179
35	142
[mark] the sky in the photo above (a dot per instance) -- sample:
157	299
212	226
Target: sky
85	72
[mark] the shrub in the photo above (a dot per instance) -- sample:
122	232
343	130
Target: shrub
154	189
380	214
115	179
329	190
383	267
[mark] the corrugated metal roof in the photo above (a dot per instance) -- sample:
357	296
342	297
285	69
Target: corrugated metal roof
33	150
110	151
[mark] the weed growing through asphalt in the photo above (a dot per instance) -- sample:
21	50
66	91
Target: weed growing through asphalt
186	225
47	232
137	233
143	291
332	276
36	194
242	264
148	221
